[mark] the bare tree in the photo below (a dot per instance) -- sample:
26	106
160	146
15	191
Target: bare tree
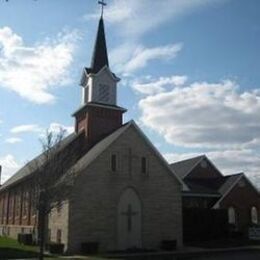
52	180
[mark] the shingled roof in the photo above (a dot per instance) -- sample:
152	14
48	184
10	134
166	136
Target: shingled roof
183	168
28	169
99	57
229	181
219	186
97	149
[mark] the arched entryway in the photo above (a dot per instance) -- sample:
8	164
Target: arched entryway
129	216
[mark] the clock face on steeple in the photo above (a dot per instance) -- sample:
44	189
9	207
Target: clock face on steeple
104	93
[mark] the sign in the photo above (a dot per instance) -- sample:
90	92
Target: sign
254	233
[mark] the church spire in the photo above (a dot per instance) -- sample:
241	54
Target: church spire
99	114
100	57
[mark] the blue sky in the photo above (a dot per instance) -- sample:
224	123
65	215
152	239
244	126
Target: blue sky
189	74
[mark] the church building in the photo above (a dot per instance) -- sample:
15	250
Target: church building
125	194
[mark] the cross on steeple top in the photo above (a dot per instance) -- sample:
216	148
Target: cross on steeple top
102	3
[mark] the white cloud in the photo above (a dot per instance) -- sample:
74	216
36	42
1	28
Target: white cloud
229	161
9	166
31	71
13	140
134	18
142	56
128	58
34	128
213	115
56	128
149	87
218	118
25	129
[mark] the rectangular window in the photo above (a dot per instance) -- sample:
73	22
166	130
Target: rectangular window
25	203
3	210
18	204
10	210
113	163
143	165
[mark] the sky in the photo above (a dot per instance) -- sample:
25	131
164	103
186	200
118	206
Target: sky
189	74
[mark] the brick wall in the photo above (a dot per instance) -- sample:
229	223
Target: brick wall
16	211
242	197
98	122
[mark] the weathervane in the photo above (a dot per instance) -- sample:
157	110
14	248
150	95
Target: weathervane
102	3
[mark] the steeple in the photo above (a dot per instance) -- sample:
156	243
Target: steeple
99	114
99	57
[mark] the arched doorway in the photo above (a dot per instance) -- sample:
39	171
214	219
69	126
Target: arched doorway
129	216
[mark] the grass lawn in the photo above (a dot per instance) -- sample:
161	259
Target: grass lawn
11	249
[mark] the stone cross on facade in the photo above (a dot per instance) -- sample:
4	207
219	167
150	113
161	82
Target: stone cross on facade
129	214
102	3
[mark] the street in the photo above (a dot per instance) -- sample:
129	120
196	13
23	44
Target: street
241	255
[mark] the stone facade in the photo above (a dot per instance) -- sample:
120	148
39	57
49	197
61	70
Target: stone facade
93	206
58	224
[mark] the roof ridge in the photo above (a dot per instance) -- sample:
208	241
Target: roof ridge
189	159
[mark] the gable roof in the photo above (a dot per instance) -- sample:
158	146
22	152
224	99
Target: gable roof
101	146
87	158
97	149
28	169
183	168
230	183
163	160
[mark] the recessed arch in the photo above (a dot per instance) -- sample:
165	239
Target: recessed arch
129	220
